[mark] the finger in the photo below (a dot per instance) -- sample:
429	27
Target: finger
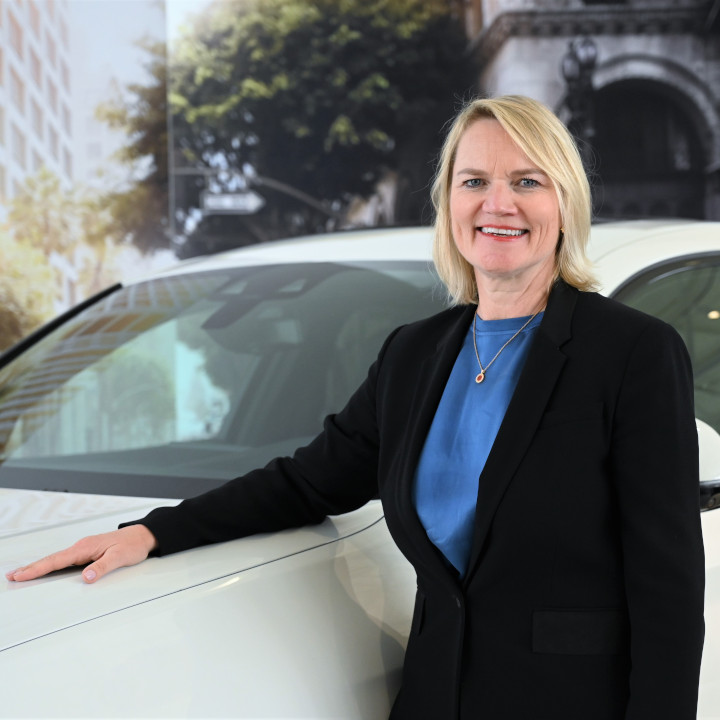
100	567
92	573
50	563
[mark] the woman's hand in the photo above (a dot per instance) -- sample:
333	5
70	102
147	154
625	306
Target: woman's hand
109	551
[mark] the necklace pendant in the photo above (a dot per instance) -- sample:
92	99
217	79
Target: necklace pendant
479	377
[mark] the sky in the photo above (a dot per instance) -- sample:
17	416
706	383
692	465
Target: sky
104	34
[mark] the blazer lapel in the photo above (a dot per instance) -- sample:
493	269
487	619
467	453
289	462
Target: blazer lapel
535	385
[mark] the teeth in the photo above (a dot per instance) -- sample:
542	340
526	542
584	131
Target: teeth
502	231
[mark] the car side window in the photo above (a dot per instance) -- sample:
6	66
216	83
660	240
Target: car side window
686	294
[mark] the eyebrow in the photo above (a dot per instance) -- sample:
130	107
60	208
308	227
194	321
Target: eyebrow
514	173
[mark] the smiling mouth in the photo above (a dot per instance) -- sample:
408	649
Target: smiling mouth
501	232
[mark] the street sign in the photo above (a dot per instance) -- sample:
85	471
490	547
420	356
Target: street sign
247	202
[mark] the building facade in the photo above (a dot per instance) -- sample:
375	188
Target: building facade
35	92
638	82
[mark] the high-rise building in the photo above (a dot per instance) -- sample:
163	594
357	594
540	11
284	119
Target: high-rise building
36	121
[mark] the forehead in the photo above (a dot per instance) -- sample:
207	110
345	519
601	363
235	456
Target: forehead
485	138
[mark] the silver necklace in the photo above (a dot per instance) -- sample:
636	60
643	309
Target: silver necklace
481	375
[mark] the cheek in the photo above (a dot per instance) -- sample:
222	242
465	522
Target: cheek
455	210
461	207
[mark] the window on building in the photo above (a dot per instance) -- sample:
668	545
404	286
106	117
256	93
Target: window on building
65	75
67	163
17	91
34	17
54	142
19	147
51	49
2	126
35	68
16	35
37	161
3	184
52	96
64	35
36	118
2	66
66	120
50	5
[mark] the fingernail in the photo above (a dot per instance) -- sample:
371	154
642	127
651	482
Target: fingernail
90	574
10	575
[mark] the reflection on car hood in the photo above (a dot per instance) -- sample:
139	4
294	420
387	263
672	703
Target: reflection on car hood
22	511
26	535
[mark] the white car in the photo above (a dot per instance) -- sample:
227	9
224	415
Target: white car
164	388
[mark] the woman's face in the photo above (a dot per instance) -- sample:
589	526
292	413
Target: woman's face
504	210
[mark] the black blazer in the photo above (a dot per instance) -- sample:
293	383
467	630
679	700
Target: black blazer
584	594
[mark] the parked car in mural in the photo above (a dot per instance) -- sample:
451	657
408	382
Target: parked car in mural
167	387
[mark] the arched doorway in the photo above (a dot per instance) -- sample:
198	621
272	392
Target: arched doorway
649	158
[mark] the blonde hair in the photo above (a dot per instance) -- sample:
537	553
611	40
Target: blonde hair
547	142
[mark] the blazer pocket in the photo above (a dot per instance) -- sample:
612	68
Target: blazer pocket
580	632
572	415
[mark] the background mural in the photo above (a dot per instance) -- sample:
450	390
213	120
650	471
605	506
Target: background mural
137	132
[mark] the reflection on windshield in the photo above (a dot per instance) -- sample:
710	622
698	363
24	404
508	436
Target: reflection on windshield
167	387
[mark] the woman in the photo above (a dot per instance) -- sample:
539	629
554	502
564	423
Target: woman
535	451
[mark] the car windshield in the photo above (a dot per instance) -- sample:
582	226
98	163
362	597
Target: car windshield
170	387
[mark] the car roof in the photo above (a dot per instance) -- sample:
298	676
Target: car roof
623	250
645	242
346	246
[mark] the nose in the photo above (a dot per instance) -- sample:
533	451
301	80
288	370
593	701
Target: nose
499	199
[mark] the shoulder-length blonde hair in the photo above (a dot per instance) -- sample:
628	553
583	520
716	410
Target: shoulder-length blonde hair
547	143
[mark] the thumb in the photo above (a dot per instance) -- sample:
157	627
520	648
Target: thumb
95	571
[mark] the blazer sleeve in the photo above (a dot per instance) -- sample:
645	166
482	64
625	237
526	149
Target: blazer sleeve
654	463
335	473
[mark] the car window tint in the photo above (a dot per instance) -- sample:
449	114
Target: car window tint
169	387
686	294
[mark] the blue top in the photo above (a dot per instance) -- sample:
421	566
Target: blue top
463	431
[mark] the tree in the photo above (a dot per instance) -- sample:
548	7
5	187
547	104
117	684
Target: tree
26	290
140	211
41	214
326	96
64	222
55	249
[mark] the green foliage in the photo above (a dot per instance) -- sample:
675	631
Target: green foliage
324	95
49	225
26	289
140	212
56	219
40	214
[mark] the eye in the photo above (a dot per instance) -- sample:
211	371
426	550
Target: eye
473	183
529	183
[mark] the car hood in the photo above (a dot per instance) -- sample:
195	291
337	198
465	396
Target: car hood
27	533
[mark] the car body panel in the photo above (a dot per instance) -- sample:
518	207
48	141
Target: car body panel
622	251
340	590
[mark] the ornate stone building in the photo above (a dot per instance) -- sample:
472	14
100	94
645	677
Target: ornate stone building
638	82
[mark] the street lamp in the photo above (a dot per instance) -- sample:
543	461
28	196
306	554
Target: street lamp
577	67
